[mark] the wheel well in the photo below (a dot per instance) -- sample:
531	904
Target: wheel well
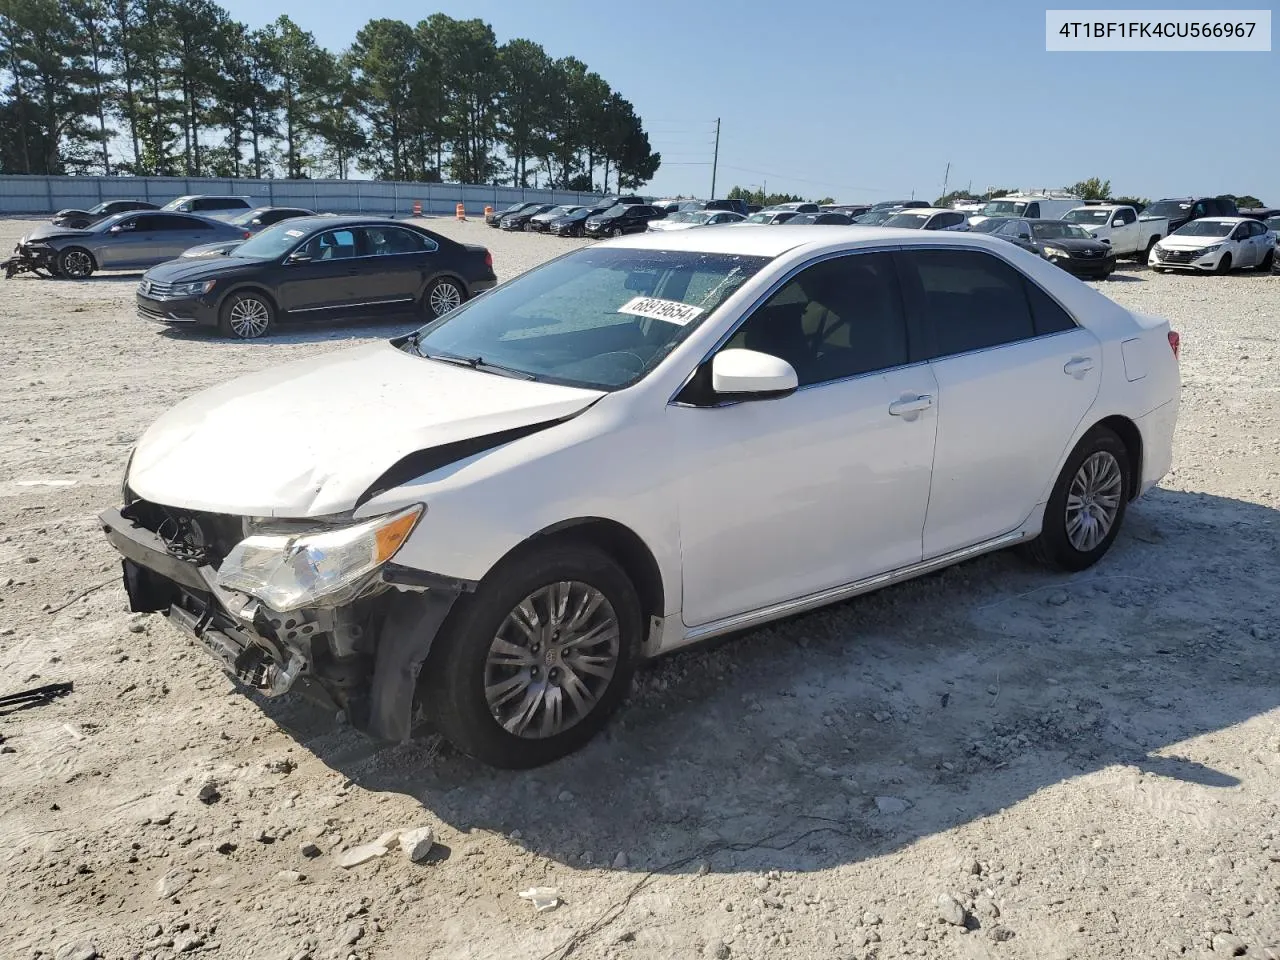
250	288
85	250
621	543
458	281
1131	437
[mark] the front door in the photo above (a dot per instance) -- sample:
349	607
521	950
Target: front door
132	243
1015	377
781	498
320	277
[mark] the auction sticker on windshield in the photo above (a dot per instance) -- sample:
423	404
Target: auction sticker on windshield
293	233
655	308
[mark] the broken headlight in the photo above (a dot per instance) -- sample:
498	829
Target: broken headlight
287	571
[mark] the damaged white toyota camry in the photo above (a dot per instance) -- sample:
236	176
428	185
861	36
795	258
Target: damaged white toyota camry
487	524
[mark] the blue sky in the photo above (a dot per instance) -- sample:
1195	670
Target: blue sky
867	101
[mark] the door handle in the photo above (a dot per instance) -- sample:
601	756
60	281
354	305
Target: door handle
910	405
1078	366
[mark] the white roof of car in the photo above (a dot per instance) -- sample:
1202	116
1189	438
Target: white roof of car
1231	220
748	240
927	211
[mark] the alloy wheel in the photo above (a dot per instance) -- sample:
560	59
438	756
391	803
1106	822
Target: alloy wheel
77	263
1093	501
551	660
249	318
444	297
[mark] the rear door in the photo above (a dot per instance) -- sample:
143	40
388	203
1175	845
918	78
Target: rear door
1015	377
393	268
321	280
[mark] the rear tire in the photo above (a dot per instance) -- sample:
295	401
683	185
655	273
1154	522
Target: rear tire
482	668
76	263
443	296
1145	255
1268	262
246	316
1087	506
1224	265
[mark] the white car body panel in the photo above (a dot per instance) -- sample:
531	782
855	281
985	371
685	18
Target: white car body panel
743	524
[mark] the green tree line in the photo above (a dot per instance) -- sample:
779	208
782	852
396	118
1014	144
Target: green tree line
757	195
179	88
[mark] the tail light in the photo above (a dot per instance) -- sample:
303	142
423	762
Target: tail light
247	234
1175	343
488	259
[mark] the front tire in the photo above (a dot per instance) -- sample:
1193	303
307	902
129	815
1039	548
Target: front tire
530	667
1224	265
444	295
246	316
1088	503
76	263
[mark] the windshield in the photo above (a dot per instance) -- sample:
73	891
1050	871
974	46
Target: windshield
685	217
556	212
760	218
596	318
1091	215
580	214
1167	208
912	221
875	217
615	211
990	225
241	219
1204	228
99	209
275	241
1058	230
1004	208
516	206
175	204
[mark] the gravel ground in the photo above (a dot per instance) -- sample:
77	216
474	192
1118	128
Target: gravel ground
989	762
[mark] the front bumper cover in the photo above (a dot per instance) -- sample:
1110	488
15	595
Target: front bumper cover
364	657
30	259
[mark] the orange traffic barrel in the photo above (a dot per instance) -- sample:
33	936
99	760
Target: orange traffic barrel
462	212
417	208
488	211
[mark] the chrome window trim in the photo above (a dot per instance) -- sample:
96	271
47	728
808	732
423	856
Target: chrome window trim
351	306
831	255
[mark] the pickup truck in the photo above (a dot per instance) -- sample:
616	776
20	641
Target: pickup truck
1129	234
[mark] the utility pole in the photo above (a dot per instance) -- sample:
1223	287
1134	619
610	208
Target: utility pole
945	177
715	161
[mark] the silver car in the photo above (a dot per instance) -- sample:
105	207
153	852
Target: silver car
127	241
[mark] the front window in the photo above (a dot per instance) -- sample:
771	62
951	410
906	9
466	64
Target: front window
1058	230
1004	208
1089	215
273	242
911	221
1204	228
1168	208
596	318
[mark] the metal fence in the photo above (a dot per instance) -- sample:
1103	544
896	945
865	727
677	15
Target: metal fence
44	195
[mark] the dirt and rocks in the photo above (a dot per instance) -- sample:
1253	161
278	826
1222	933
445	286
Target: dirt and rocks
991	762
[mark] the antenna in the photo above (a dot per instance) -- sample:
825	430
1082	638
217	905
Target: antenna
945	177
715	161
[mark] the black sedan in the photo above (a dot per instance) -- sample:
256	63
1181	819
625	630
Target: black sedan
495	219
1067	245
318	268
520	219
623	218
574	224
250	222
79	219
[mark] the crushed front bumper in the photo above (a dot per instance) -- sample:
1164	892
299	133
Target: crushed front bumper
363	657
30	259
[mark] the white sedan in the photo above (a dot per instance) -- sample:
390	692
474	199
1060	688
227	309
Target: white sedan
688	219
636	446
1216	245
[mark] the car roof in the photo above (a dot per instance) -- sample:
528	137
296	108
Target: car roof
745	240
1231	220
927	210
333	221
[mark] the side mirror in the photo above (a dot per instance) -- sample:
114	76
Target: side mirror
115	229
298	257
751	374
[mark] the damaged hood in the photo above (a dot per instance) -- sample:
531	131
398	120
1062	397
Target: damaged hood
51	231
308	438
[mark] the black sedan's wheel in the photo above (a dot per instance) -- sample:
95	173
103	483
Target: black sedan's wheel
76	263
246	316
443	296
529	667
1087	506
615	232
